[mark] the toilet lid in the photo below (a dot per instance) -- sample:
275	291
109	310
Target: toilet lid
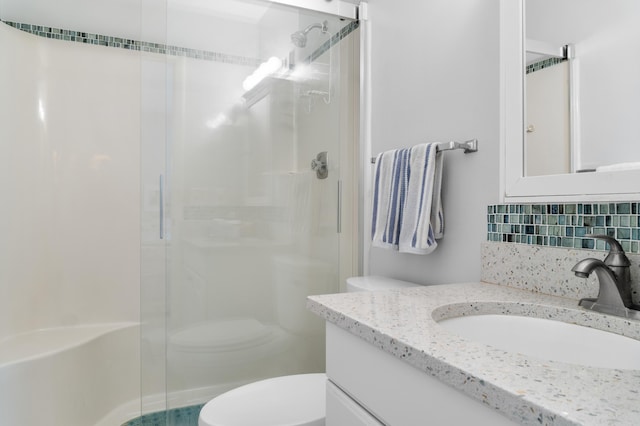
224	334
297	400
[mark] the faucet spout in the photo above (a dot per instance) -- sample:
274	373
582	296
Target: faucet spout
614	295
610	293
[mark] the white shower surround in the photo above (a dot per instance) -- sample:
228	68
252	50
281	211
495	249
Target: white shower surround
76	376
69	310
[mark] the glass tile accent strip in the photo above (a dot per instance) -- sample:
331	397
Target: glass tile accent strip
143	46
565	225
546	63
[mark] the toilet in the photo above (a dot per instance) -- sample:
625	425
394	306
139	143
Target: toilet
296	400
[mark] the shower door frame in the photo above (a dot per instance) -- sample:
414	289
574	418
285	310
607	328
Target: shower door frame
342	8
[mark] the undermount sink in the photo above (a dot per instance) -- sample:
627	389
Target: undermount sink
549	340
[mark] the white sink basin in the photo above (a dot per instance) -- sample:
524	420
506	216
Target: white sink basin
549	340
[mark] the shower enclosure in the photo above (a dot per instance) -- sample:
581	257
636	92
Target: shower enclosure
248	197
178	177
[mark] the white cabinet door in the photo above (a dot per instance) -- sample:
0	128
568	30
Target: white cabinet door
342	410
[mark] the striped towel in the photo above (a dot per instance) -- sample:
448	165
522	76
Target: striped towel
407	207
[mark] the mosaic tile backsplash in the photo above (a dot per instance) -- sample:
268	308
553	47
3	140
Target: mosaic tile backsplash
565	225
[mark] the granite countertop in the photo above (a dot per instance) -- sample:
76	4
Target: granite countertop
528	390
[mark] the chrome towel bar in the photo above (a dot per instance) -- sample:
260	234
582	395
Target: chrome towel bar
468	146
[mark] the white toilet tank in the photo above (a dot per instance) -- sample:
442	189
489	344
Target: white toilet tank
297	277
373	283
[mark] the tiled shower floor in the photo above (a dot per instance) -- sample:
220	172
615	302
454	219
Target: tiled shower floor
185	416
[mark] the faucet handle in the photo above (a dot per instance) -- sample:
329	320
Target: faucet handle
616	256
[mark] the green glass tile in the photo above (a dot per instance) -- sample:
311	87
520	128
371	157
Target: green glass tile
580	231
625	221
626	245
603	208
623	208
567	242
570	209
634	246
552	219
615	221
588	243
623	233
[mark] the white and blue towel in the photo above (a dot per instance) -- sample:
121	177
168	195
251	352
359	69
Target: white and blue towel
407	207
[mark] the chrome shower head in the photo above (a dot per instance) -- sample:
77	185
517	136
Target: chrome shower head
299	38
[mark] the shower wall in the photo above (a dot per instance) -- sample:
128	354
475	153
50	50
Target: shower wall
70	166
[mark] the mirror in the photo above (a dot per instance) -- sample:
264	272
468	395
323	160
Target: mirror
581	103
595	46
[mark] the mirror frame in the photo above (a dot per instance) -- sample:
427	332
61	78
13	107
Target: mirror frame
515	187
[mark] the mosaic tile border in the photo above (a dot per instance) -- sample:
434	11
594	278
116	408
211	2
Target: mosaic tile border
537	66
335	39
565	225
163	49
130	44
185	416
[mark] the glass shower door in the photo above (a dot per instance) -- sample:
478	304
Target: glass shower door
253	182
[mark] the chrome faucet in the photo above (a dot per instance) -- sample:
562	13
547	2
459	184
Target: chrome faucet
613	275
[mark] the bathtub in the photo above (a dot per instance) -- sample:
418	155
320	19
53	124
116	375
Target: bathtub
71	376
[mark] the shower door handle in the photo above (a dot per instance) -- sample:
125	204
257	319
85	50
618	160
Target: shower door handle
339	205
161	209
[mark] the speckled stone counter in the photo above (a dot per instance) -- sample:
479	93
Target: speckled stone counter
528	390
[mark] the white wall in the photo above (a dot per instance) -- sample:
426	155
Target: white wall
435	77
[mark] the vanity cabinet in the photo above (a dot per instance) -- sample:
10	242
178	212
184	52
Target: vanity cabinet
376	388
